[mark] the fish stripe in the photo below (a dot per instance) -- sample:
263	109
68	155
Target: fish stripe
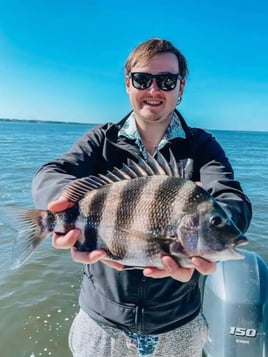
165	195
93	210
164	199
129	197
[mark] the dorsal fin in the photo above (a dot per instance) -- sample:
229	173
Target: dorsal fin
150	167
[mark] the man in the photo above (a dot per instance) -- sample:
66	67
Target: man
154	312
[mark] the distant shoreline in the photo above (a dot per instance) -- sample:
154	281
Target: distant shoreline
96	124
42	121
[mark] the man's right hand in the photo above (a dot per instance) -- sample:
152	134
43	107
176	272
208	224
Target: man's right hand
67	241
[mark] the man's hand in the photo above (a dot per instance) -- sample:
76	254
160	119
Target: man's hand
173	270
67	241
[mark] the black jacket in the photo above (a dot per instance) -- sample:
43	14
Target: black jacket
127	299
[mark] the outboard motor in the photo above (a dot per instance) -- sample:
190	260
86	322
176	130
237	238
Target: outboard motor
235	304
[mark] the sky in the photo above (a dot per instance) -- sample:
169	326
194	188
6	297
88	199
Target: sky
63	60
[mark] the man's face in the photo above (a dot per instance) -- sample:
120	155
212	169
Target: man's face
153	104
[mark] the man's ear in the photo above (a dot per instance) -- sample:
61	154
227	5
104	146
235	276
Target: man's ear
127	82
182	85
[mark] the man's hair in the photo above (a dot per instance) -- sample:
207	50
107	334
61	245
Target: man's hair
145	51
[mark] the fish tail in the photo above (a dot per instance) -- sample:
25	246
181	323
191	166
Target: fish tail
31	226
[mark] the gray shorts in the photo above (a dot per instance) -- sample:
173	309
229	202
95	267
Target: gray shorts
88	339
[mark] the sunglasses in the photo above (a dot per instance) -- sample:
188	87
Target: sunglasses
164	81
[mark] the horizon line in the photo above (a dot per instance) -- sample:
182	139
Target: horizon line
40	121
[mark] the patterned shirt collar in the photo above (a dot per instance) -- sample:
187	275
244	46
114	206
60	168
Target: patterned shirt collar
130	131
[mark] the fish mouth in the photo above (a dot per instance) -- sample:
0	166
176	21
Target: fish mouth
240	241
178	249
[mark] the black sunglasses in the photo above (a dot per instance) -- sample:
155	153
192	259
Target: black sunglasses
165	81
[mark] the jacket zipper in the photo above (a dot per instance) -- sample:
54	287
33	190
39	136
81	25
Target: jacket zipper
140	307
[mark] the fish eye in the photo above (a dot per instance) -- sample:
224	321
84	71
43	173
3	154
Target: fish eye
216	221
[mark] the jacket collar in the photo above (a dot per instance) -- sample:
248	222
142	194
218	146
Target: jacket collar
174	130
115	129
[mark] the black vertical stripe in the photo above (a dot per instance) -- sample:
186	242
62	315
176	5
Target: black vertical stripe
94	209
66	218
161	210
164	197
129	198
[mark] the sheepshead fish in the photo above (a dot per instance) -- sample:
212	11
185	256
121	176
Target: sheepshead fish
137	214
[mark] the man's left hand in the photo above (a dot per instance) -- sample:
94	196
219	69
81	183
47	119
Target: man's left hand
173	270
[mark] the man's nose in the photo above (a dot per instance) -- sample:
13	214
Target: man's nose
154	85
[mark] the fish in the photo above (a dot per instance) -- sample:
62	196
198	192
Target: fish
137	213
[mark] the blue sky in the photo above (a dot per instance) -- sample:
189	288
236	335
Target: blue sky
63	59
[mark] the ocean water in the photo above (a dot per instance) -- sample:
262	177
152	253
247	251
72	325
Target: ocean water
39	301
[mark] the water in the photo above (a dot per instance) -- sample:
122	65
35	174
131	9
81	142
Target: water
39	301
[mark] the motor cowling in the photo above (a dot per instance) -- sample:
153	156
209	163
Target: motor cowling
235	304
